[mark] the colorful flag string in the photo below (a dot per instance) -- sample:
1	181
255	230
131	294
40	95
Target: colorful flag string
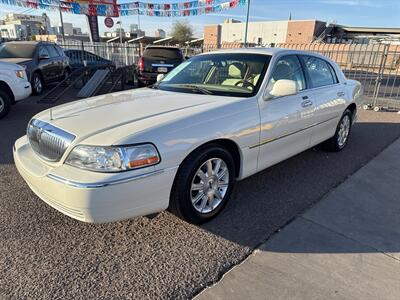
111	9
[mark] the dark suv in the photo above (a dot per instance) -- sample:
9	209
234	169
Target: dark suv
44	62
157	60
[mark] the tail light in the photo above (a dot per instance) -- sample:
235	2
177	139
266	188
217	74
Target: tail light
141	64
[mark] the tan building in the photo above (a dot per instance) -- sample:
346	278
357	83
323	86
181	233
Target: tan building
264	33
302	32
212	34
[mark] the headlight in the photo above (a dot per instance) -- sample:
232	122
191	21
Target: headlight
20	74
113	159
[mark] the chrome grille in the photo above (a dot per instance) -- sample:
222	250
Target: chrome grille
47	140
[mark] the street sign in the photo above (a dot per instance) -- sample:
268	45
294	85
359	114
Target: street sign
109	22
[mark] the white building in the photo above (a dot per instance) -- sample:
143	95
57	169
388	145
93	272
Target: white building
160	34
258	32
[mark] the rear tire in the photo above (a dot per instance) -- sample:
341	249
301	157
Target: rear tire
5	103
339	141
203	184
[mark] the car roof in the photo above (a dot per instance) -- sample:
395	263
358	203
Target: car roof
163	47
265	51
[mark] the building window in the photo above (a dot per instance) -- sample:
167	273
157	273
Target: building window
299	33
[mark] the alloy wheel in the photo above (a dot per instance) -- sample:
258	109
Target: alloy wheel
37	84
344	130
209	185
2	104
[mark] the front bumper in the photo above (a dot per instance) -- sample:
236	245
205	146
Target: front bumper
22	90
111	198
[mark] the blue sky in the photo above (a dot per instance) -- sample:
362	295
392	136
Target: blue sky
378	13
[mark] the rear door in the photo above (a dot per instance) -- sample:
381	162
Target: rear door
161	60
285	121
329	95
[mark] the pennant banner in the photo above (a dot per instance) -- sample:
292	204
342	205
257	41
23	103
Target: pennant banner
110	8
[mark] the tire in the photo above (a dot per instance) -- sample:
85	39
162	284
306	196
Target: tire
192	199
37	83
339	141
5	103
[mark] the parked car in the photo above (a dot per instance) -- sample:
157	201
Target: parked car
44	62
217	118
157	60
14	86
80	58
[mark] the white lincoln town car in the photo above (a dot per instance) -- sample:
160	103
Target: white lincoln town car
216	118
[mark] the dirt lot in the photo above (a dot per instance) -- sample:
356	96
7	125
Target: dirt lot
46	255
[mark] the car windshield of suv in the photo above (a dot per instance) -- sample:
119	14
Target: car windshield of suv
168	53
14	50
236	75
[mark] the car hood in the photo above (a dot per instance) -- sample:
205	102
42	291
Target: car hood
144	108
17	60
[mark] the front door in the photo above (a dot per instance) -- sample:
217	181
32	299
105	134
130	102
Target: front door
285	121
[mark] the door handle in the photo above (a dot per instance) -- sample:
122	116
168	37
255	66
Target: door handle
306	103
340	94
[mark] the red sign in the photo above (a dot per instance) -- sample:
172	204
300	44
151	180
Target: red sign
109	22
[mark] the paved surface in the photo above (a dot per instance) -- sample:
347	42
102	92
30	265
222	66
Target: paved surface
46	255
346	247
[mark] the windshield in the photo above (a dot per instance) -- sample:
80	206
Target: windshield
236	75
170	53
20	50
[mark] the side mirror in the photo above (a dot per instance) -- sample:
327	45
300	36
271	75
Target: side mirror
160	77
283	87
187	57
44	56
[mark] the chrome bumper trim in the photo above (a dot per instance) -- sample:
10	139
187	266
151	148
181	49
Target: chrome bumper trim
102	184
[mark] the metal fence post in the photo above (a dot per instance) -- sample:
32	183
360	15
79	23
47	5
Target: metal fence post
380	74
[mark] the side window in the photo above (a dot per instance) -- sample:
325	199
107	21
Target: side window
288	67
53	52
43	51
320	71
59	50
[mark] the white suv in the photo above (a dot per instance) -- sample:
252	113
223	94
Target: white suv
14	86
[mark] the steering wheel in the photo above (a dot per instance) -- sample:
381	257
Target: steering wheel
245	84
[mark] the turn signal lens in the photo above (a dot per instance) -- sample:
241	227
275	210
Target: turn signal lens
144	162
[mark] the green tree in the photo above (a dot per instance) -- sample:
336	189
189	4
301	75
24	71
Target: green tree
182	31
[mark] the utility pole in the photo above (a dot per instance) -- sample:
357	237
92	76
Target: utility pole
120	30
247	23
62	24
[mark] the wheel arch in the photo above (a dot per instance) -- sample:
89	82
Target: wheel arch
5	87
229	145
353	108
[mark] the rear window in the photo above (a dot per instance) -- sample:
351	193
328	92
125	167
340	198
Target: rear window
163	53
17	50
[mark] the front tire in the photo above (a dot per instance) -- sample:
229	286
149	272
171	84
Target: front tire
37	83
5	103
203	184
339	141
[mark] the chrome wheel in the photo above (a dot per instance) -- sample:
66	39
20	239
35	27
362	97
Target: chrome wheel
209	185
344	130
2	104
37	84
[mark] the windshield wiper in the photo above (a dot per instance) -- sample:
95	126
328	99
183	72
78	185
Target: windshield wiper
197	88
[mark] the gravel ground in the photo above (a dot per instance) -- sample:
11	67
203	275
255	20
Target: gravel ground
46	255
